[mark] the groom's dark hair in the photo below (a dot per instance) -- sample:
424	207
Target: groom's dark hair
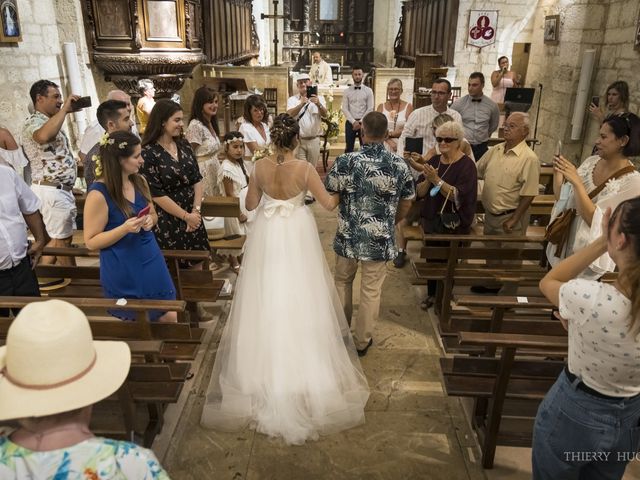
375	125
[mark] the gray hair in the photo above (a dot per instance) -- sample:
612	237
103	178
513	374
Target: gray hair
525	119
145	84
118	95
452	129
441	120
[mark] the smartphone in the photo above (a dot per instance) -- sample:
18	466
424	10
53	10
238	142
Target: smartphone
312	90
558	148
595	100
82	102
144	211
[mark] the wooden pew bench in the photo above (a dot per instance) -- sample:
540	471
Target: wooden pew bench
508	389
192	286
465	260
158	370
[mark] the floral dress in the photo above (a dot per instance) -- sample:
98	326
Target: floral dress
206	154
93	459
174	179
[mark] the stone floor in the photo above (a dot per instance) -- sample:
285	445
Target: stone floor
412	430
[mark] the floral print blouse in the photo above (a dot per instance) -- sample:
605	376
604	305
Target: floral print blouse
93	459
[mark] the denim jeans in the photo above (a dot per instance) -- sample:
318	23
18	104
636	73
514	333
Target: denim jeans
580	436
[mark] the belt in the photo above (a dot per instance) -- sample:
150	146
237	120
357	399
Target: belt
506	212
59	186
581	386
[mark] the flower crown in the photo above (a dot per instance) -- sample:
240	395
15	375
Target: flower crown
234	139
106	140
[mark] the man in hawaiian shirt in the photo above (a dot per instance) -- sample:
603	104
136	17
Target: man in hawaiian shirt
53	167
376	189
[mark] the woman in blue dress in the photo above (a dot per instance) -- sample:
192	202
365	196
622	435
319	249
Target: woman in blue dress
118	223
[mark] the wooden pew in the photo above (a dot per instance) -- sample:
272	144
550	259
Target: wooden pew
151	383
511	386
191	285
462	260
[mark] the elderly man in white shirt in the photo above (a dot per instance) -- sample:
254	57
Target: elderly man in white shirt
356	103
308	110
20	209
419	122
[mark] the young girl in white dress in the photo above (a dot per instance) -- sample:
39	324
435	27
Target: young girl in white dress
233	181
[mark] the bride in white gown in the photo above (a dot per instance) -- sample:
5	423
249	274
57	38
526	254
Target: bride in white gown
286	364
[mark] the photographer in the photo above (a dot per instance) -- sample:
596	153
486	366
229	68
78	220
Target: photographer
53	166
308	108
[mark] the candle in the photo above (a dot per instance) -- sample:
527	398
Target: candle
341	59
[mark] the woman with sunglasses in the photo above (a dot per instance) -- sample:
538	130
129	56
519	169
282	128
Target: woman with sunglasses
602	181
449	185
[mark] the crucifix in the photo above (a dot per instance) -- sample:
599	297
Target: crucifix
275	17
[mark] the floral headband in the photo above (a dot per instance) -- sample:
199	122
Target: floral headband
234	139
105	141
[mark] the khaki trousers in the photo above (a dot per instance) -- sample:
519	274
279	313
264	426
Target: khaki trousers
493	226
309	150
372	278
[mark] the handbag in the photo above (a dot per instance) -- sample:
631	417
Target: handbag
557	232
445	222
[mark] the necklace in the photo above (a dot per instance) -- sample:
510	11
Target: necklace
72	432
171	149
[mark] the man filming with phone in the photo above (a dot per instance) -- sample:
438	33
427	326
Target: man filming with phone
308	108
53	166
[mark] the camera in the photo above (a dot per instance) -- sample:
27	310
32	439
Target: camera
82	102
312	90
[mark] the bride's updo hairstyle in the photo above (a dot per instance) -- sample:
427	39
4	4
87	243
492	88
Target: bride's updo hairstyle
284	133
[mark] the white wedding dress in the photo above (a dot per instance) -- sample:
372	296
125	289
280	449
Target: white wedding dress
286	364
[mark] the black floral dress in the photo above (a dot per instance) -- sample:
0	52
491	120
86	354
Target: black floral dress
174	179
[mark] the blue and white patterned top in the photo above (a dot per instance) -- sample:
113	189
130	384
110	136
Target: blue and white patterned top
602	350
370	182
93	459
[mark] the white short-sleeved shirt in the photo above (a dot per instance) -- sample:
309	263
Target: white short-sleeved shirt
602	352
16	199
251	134
310	122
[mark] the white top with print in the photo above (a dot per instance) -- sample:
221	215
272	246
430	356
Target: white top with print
602	352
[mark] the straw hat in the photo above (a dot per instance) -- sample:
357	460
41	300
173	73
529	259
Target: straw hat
51	364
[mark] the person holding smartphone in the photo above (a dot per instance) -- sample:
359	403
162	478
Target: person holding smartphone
119	219
617	101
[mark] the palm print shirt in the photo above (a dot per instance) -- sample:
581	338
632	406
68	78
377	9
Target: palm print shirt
370	182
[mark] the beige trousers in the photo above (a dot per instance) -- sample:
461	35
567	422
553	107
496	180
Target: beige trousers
373	275
309	150
493	226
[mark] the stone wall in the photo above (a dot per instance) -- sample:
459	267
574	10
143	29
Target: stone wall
386	22
608	26
45	24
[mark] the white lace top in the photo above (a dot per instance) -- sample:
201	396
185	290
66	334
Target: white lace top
581	234
208	143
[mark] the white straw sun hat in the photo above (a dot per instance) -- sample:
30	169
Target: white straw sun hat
51	364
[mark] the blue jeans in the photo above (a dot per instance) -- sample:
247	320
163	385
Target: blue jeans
580	436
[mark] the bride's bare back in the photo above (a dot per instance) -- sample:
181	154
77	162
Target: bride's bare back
285	181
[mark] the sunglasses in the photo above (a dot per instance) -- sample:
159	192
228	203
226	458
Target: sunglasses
445	139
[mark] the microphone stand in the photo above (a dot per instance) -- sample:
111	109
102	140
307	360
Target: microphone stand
535	130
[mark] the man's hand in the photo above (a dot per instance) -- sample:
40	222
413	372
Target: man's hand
356	125
509	223
35	252
314	99
66	106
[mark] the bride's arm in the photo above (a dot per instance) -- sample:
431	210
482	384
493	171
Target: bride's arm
316	187
254	192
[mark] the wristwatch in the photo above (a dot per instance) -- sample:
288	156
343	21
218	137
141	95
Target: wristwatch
197	208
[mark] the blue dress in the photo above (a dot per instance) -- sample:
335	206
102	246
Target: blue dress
133	267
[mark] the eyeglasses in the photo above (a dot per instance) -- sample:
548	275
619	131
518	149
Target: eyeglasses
445	139
433	92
